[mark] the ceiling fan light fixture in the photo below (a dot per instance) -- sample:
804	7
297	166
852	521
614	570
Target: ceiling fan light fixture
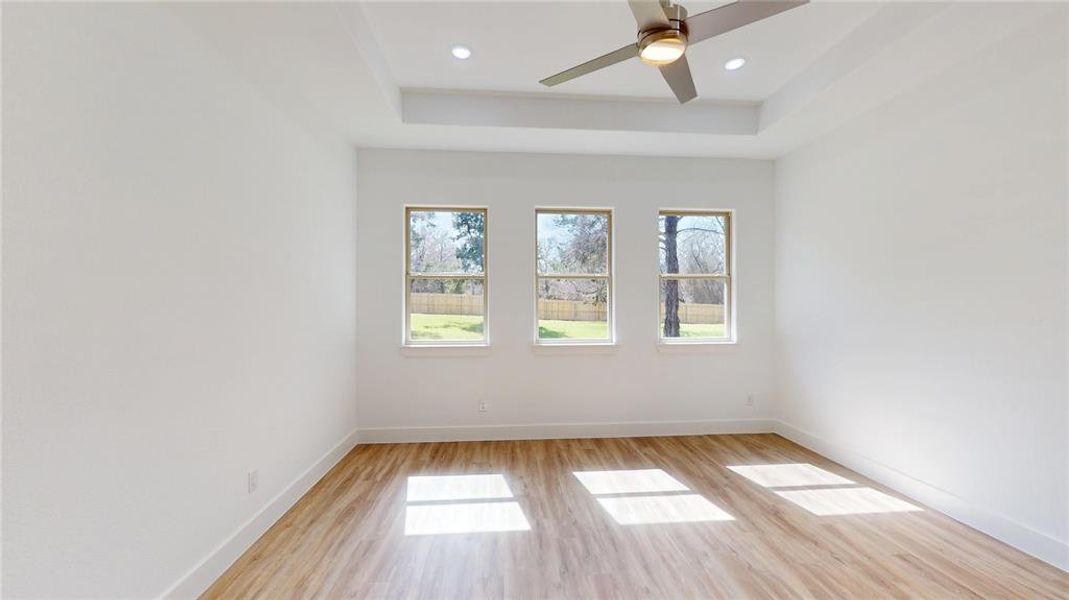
662	47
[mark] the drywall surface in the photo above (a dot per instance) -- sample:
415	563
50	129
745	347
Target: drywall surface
921	288
558	391
179	282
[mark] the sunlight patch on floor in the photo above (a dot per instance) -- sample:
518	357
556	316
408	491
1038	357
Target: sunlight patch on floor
457	487
789	475
676	508
648	497
629	481
846	501
441	504
477	517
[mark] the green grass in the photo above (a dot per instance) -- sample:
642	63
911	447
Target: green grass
709	330
446	327
470	327
584	330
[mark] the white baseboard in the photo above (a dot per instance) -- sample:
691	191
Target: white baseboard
552	431
201	576
1025	539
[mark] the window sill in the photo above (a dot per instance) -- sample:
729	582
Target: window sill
445	350
574	347
696	346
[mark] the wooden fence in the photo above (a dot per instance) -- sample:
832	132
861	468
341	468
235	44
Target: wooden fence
446	304
556	310
699	313
571	310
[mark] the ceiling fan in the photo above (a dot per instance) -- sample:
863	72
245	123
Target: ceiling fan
665	31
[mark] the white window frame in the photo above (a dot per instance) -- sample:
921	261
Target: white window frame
728	277
410	275
608	277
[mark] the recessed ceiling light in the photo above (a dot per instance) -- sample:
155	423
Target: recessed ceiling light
461	52
735	64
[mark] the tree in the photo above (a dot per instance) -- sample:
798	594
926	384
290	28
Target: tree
671	286
468	230
584	249
433	251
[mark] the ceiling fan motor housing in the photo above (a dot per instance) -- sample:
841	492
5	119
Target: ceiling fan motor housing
665	45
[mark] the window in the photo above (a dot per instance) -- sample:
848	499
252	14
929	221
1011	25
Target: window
445	276
573	275
695	276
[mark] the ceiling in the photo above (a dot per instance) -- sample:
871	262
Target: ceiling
515	44
380	74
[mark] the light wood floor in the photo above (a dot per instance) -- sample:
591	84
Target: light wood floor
347	536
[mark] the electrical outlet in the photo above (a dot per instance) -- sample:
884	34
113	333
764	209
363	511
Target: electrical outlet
254	480
749	400
483	406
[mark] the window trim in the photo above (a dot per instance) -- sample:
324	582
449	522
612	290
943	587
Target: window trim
728	277
409	276
608	276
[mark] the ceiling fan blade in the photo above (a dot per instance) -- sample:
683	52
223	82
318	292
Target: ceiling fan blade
677	74
649	14
620	55
703	26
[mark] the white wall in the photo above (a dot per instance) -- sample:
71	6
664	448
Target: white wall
921	290
634	383
179	282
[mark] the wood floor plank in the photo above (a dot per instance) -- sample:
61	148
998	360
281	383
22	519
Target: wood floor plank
350	536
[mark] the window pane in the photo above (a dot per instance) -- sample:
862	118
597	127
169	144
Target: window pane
573	309
446	241
693	244
693	308
573	243
446	309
